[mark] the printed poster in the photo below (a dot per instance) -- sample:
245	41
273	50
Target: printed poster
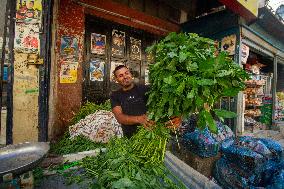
118	43
27	38
29	11
245	54
69	50
68	73
113	65
97	70
135	49
228	44
98	43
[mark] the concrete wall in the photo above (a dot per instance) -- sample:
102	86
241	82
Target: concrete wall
25	100
65	99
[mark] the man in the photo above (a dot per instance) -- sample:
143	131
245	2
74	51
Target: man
129	103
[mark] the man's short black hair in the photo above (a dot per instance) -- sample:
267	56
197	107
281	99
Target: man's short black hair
118	68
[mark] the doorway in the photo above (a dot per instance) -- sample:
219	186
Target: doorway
107	45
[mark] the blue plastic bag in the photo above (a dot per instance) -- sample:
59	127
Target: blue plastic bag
231	176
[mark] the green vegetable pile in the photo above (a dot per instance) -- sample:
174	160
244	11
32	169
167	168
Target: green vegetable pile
188	77
122	167
78	144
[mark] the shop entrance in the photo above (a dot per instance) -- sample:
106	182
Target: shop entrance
258	92
108	44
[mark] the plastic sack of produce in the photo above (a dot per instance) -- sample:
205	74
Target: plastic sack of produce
224	132
242	155
204	143
277	181
270	169
274	147
100	126
201	143
230	175
256	145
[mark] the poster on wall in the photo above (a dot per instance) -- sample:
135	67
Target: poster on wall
118	43
98	43
29	11
228	44
97	70
27	38
68	73
69	50
113	65
244	53
135	49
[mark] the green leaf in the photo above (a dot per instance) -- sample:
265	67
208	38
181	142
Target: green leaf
224	113
222	73
172	54
191	66
211	122
201	123
123	183
170	80
182	56
203	82
190	94
231	92
180	88
199	102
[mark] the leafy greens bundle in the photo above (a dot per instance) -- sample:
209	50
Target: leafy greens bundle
188	77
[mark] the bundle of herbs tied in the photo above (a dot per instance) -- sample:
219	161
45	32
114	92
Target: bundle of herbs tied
188	76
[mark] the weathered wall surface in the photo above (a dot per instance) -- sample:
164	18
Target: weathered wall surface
25	100
71	22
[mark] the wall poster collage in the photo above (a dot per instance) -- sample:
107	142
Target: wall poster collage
69	58
28	23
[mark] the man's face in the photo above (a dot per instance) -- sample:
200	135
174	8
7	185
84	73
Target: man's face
123	77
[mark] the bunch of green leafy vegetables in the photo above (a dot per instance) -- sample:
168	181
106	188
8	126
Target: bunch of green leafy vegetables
78	144
187	77
90	108
122	167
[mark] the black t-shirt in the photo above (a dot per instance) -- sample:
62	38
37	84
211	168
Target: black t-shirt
133	102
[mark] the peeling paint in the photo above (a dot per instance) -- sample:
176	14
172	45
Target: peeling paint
71	22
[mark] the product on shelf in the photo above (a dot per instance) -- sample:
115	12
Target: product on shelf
253	112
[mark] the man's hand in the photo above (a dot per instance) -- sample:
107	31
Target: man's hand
174	123
143	120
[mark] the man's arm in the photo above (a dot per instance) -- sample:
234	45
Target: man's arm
127	119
